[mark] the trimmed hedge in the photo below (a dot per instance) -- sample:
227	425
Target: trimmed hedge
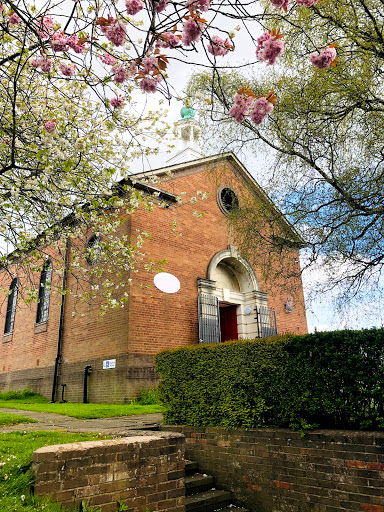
325	380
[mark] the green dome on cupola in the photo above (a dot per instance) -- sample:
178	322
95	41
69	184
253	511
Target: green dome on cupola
187	132
187	113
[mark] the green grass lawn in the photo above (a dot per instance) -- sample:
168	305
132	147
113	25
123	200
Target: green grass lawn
13	419
27	400
83	411
16	475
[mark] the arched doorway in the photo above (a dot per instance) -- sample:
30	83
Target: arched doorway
226	278
229	299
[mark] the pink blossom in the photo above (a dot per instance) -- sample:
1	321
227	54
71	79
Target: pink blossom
132	69
241	107
120	74
48	22
192	31
47	25
134	6
149	63
203	5
265	36
73	43
261	108
117	102
149	84
108	59
67	69
323	59
269	48
192	4
45	64
1	7
159	5
307	3
280	4
50	126
115	32
59	42
168	40
219	47
14	19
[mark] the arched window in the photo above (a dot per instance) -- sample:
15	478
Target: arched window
11	307
93	250
44	293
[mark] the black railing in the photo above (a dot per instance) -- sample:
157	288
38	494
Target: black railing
266	322
209	319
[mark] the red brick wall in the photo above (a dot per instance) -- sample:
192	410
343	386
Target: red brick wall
142	472
29	346
151	320
275	470
173	318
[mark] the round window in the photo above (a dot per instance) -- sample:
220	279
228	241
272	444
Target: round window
228	200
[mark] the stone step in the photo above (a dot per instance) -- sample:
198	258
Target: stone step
207	501
232	508
191	467
198	483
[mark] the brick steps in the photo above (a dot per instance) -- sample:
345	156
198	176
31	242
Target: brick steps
198	483
207	501
233	509
191	467
201	496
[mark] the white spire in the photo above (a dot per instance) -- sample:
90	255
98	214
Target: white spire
187	131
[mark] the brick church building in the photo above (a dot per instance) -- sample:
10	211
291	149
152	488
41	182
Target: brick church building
208	293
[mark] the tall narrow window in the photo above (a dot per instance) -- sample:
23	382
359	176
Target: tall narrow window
11	307
44	293
93	250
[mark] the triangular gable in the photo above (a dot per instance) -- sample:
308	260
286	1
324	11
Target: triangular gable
185	155
200	165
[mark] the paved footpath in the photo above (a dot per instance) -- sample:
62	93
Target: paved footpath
120	425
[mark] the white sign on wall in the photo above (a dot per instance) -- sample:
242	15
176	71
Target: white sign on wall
109	363
167	283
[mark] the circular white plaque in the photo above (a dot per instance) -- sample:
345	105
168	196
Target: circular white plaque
167	283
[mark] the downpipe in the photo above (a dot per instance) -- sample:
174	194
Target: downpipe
87	371
61	325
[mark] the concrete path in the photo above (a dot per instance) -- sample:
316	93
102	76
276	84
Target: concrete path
121	425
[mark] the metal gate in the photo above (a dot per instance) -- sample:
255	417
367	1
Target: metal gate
266	322
209	319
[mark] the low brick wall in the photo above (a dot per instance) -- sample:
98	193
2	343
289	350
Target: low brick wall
273	470
133	372
142	471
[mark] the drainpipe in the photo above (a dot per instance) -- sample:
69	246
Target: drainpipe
61	324
87	371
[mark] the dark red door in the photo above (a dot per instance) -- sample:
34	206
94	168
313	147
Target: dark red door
228	323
